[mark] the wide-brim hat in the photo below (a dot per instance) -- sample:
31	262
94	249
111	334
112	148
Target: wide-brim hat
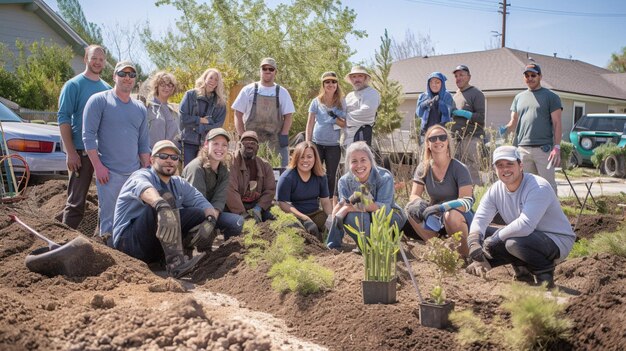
357	70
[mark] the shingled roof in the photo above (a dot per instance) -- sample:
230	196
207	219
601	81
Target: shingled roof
501	70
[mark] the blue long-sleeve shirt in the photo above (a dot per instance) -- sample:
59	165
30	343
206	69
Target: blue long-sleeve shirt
117	130
72	101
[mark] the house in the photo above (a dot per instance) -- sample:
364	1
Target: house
33	20
582	87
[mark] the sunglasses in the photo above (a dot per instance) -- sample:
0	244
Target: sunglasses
166	156
442	137
330	82
271	69
166	85
531	75
123	74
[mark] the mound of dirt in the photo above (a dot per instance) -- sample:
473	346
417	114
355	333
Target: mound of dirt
590	225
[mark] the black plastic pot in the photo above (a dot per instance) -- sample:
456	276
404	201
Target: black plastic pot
434	315
379	292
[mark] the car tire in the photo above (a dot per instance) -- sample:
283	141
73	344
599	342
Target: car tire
614	166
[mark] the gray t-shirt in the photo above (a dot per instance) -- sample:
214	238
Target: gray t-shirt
534	127
457	175
533	206
473	100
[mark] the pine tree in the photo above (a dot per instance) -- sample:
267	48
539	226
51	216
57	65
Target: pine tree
388	118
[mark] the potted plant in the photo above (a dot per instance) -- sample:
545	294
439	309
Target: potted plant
443	254
379	251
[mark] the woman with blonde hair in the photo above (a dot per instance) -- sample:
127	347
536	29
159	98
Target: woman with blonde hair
303	187
327	114
162	118
449	187
202	109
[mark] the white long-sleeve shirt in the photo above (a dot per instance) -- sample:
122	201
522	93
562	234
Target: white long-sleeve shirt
533	206
361	107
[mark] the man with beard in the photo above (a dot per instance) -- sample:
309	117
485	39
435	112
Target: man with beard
72	101
252	184
361	106
115	134
159	215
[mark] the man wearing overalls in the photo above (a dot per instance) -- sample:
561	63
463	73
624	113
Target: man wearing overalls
266	108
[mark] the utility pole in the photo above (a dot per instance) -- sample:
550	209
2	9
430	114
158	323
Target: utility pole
503	11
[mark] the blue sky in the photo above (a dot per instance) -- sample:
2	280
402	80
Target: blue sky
540	26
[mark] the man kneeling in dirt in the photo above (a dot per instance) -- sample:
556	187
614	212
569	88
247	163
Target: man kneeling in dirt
158	214
537	234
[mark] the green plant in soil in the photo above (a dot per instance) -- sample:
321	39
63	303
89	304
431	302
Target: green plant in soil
609	242
447	260
302	276
566	153
471	328
380	248
580	248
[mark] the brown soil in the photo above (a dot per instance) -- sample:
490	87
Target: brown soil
123	304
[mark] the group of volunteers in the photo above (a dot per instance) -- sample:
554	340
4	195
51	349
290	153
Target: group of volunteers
146	210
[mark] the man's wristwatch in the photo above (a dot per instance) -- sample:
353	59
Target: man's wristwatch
557	146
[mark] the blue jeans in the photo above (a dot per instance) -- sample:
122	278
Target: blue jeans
536	251
190	151
284	156
107	197
335	236
139	238
229	224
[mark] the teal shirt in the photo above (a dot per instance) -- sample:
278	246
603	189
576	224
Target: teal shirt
72	101
534	108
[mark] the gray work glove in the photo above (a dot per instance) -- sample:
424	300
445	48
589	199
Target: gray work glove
168	228
416	208
203	235
311	227
490	244
256	213
478	269
475	249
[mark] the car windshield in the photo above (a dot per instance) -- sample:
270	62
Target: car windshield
603	124
6	115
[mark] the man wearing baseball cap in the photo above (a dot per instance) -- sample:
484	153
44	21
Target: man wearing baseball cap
252	183
361	106
161	216
209	174
469	122
115	134
266	108
536	120
537	233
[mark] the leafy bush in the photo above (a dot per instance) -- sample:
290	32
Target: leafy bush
603	151
580	248
471	328
302	276
287	244
566	153
9	85
447	260
537	319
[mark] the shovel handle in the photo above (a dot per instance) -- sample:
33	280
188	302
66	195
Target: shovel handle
51	243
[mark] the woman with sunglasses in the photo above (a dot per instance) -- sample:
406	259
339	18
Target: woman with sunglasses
210	175
364	189
303	187
326	120
202	109
449	187
434	105
162	118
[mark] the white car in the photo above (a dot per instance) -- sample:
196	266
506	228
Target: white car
38	144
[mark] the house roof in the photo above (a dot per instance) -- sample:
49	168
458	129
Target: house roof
501	70
52	19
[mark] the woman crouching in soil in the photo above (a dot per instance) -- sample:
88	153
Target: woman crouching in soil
374	189
303	187
449	187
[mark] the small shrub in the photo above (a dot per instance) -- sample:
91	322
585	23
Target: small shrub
447	260
580	248
255	245
268	154
302	276
603	151
287	243
537	320
613	243
566	153
471	328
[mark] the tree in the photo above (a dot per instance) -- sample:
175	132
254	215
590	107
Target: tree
306	37
388	118
72	12
411	46
618	61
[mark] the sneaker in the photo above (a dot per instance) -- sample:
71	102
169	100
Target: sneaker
186	267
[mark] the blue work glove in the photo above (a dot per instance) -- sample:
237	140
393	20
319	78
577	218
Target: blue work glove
502	130
462	113
283	140
490	244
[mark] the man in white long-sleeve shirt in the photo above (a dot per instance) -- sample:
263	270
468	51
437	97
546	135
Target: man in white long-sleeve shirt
537	234
361	107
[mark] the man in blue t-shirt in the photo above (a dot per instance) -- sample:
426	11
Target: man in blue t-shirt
115	134
72	101
538	133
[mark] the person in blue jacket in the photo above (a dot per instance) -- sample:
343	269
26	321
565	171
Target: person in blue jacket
435	104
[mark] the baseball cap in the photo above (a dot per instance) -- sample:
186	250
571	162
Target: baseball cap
532	67
506	152
250	134
216	132
164	144
124	64
268	61
461	68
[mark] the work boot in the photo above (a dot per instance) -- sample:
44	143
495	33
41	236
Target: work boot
522	274
176	263
547	278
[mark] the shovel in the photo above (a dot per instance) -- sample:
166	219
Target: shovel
51	244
